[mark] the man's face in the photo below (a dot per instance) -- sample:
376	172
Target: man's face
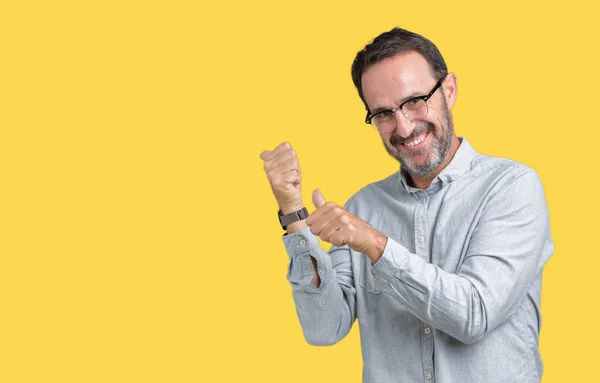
421	146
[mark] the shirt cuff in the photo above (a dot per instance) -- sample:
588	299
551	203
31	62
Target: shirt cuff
391	262
300	246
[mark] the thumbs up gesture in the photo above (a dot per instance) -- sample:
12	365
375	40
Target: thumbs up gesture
333	224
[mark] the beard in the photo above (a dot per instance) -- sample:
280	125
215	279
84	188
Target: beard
440	146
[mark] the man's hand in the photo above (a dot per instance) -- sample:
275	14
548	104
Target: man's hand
335	225
283	172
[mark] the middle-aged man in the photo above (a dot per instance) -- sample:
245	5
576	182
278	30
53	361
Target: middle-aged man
441	262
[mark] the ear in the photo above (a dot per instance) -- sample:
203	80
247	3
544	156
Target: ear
450	90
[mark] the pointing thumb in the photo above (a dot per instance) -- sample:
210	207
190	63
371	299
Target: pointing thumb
318	199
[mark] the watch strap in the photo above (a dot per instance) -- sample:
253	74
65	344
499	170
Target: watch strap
287	219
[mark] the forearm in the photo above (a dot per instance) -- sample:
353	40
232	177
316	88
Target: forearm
326	317
324	296
448	302
296	227
467	304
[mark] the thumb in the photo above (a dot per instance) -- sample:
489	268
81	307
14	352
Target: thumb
318	199
264	154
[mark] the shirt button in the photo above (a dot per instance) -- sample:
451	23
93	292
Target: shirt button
427	330
423	200
321	272
302	242
377	276
429	376
420	239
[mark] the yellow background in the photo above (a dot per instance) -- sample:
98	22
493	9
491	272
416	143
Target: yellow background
139	240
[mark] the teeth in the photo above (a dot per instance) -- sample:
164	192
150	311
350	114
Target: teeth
414	143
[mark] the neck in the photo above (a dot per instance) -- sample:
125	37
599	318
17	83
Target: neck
424	182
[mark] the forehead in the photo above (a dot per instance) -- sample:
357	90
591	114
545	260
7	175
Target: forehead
395	78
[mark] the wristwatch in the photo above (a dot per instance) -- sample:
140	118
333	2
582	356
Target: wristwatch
285	220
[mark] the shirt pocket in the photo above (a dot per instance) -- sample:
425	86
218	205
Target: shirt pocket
367	279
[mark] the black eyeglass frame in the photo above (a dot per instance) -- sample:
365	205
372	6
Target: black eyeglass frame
424	98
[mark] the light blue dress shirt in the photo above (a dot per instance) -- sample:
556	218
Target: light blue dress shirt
455	298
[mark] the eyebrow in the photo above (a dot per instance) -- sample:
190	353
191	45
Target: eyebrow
412	95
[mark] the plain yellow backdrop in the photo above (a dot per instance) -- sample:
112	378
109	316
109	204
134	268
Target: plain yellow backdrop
139	240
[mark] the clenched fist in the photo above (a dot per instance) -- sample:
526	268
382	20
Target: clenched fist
283	172
337	226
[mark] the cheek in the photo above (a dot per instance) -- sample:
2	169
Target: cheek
385	137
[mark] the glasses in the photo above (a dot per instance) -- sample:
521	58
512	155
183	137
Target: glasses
413	109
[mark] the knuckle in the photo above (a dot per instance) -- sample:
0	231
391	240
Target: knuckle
339	241
270	173
330	205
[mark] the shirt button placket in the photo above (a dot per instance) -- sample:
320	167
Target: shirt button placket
427	351
420	225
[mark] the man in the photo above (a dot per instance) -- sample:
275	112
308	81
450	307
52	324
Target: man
441	262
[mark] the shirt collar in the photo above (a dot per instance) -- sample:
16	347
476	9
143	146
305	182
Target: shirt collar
456	168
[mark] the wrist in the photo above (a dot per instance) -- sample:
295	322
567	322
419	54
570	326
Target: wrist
377	246
296	227
291	208
293	221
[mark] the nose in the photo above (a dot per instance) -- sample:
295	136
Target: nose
404	126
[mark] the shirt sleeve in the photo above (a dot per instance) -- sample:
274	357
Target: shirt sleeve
507	250
326	313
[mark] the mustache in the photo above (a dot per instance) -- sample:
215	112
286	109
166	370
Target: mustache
396	139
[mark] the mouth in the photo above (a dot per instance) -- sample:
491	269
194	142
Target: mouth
417	142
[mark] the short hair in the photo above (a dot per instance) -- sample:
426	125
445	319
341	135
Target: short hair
392	43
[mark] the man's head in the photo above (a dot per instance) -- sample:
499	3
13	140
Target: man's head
400	68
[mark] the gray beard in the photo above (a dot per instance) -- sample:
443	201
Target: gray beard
439	148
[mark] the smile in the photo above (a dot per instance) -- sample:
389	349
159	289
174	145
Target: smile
417	141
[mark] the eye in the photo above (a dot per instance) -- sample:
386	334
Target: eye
414	103
384	114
